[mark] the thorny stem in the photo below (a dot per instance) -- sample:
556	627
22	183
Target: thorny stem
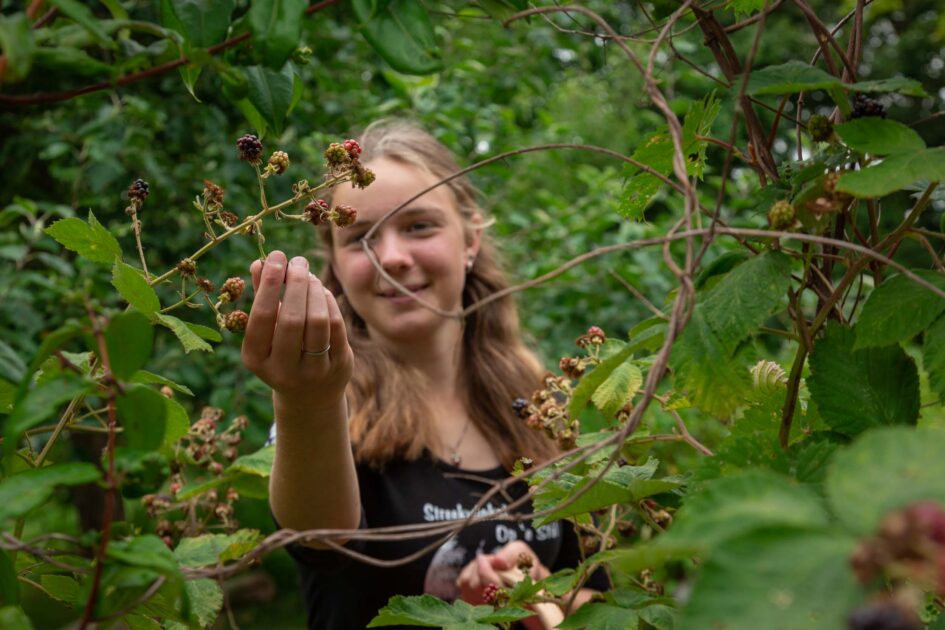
136	228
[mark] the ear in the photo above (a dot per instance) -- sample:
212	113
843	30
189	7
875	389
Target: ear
474	235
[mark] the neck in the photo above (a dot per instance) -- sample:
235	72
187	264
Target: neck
437	356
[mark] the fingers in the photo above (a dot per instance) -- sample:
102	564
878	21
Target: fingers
338	332
255	271
317	334
293	315
487	575
262	320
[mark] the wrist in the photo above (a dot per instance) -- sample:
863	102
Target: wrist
288	407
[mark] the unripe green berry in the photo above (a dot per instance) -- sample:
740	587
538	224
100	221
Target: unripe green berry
236	321
820	128
781	215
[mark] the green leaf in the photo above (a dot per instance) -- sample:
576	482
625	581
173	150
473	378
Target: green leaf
176	425
142	413
657	151
205	332
39	405
27	490
16	41
203	23
61	587
14	618
744	8
632	560
702	359
885	469
593	379
147	552
72	60
898	310
778	579
189	75
53	341
729	507
790	77
879	136
128	338
9	585
858	389
902	85
79	12
89	240
258	463
133	287
206	600
401	33
428	611
933	356
12	367
143	376
276	26
895	173
601	617
185	335
210	549
621	386
270	93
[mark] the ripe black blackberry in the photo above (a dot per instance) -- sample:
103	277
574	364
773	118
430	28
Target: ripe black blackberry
882	616
863	105
138	191
250	148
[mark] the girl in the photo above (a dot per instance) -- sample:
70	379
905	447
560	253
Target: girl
388	413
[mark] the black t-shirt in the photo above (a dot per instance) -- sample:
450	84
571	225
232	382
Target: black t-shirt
341	593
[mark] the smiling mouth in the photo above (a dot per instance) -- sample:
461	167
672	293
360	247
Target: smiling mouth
394	293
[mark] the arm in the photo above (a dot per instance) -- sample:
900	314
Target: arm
313	483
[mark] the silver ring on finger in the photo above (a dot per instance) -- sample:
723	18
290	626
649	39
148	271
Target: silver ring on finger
316	354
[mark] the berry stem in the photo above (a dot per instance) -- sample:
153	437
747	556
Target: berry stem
185	300
136	228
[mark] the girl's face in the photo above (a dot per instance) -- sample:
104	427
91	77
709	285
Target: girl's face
423	246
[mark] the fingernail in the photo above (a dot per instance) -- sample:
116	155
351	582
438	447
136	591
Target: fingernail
276	259
299	261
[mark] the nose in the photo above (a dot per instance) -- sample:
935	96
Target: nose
392	252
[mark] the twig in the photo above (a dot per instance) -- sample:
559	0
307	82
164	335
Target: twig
638	295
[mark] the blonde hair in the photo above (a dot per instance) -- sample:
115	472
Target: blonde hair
390	415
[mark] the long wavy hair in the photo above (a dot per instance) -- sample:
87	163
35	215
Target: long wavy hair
390	416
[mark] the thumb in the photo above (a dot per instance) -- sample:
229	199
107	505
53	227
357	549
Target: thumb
499	563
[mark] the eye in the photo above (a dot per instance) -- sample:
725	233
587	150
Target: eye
420	226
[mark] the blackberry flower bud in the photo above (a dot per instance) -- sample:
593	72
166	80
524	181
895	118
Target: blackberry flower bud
336	155
236	321
250	148
187	267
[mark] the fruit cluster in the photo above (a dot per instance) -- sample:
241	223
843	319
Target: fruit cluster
201	454
318	212
548	407
863	106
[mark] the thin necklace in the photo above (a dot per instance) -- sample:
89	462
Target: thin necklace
455	458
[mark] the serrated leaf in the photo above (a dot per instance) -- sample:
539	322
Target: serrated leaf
775	578
270	93
592	380
142	414
744	8
901	85
885	469
202	23
702	359
135	289
594	616
258	463
128	338
729	507
207	549
12	367
146	551
426	610
790	77
185	335
206	600
176	425
858	389
89	240
619	387
38	405
27	490
632	560
54	340
657	151
205	332
879	136
895	173
898	310
401	33
276	26
933	356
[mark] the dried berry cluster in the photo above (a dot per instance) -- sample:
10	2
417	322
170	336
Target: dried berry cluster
548	408
200	456
318	212
341	157
907	555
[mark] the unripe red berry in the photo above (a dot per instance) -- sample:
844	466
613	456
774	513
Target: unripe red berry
187	267
215	468
205	284
596	335
571	366
490	594
232	289
781	215
236	321
250	148
353	149
317	211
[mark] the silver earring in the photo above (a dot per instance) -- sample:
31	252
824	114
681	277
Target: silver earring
469	263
